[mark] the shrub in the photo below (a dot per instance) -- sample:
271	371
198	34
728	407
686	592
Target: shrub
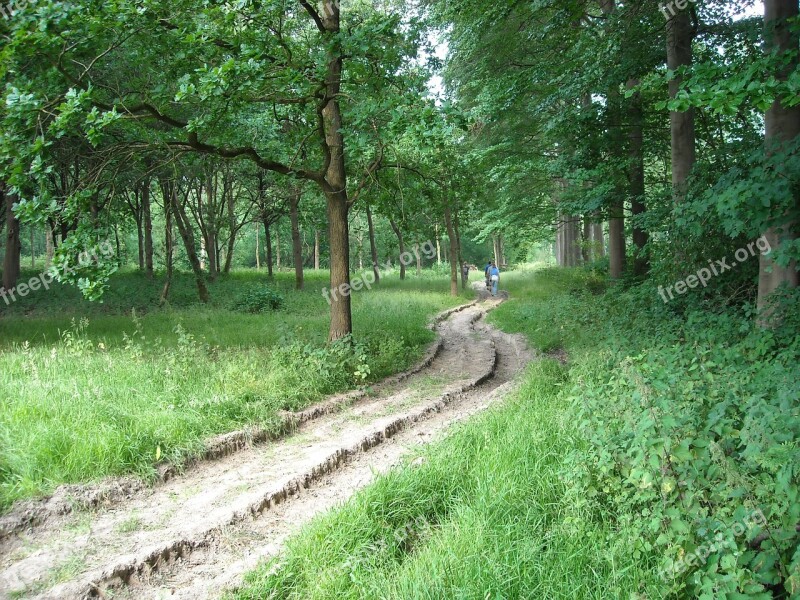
259	300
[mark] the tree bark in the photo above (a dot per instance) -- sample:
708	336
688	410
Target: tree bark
598	239
399	233
278	249
586	245
167	191
636	178
451	233
297	242
268	243
50	244
187	235
316	249
680	35
782	128
148	230
258	247
373	247
233	228
11	262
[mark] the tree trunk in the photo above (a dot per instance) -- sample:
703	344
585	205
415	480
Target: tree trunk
451	233
148	230
278	249
373	248
140	233
268	235
598	239
782	128
680	34
616	204
316	249
418	254
258	247
586	239
636	179
167	191
11	263
185	229
233	228
50	244
438	247
398	232
297	242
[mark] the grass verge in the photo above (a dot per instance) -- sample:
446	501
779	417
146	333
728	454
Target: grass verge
91	392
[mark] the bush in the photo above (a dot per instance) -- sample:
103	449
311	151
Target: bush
259	300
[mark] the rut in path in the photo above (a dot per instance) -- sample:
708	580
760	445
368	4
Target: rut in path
195	535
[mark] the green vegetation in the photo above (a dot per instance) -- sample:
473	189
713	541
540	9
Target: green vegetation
662	432
110	394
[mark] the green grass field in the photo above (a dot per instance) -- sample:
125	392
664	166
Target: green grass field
92	390
574	488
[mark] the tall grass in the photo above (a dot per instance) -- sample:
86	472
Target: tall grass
109	394
623	473
488	515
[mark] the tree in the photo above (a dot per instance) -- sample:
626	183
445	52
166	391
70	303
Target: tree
782	130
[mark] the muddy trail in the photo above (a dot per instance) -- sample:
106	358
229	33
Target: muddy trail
193	536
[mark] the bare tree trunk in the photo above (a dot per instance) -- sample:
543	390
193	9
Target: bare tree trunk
11	263
451	233
297	242
50	245
398	232
258	249
167	191
586	245
278	249
680	34
438	247
268	243
139	230
637	182
598	239
148	230
185	229
233	228
373	248
316	249
782	128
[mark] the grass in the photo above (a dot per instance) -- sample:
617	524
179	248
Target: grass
489	514
97	390
596	477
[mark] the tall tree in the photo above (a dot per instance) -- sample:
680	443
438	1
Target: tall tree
680	36
782	129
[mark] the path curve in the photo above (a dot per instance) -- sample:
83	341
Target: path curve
196	534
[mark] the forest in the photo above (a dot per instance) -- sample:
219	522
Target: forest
250	345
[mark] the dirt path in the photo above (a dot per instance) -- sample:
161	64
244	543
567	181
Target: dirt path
196	534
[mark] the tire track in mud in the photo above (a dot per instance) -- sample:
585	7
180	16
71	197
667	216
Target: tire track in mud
196	534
